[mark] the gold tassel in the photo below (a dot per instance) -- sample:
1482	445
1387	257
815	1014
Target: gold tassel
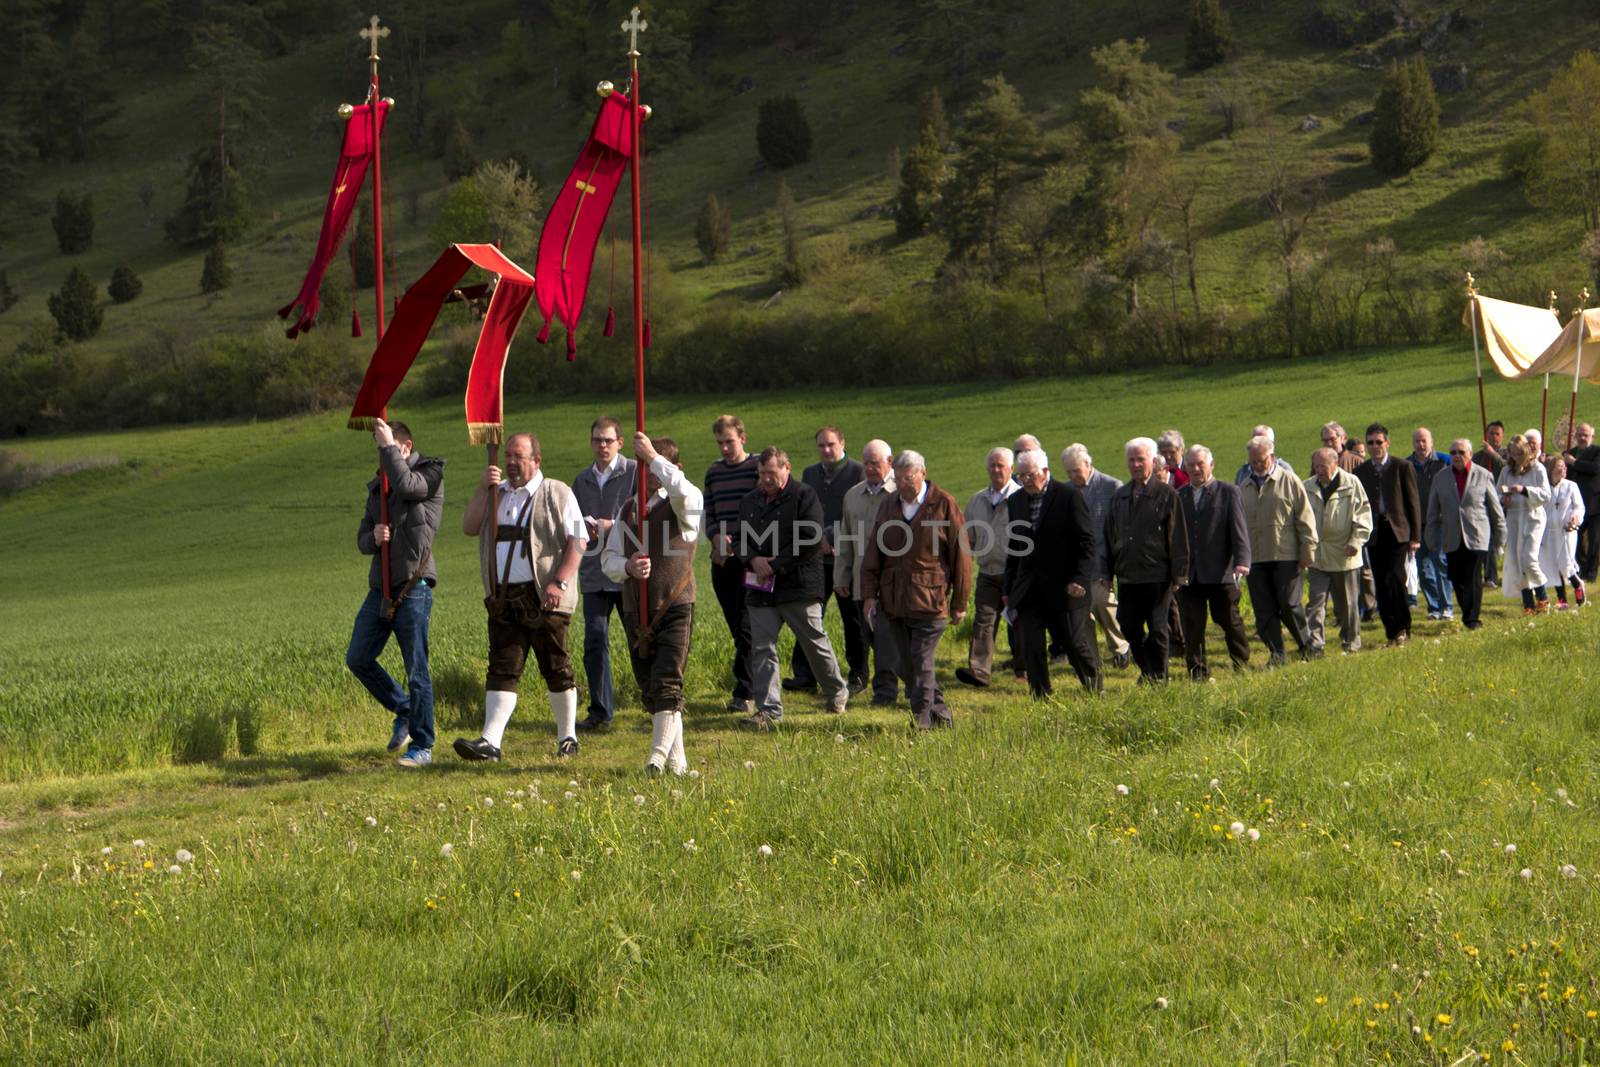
364	422
484	433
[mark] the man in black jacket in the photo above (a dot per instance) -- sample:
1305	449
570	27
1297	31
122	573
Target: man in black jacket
831	477
1049	558
779	542
416	500
1148	553
1219	555
1583	467
1391	486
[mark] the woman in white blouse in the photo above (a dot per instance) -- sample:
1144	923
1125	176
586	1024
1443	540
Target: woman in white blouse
1563	515
1524	491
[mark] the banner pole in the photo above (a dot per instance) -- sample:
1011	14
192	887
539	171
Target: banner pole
1472	297
371	34
632	28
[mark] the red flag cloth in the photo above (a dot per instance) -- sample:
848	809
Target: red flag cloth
572	229
414	316
354	159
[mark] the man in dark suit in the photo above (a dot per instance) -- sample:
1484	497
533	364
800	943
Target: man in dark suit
1048	562
1492	457
1219	555
1583	467
1148	553
1391	486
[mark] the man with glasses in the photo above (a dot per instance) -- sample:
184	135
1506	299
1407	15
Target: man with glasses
1463	514
601	489
1391	487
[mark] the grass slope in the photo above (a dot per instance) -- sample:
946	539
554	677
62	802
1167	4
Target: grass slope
985	894
860	91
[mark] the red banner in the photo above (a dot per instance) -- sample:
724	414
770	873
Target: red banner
414	317
354	159
572	229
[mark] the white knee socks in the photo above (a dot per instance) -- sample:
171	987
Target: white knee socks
497	708
564	706
661	733
677	762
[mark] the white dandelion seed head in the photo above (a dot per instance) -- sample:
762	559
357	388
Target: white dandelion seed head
1416	1031
576	875
1511	850
765	851
442	805
749	764
677	794
1236	828
1470	737
1161	1004
694	774
1561	794
447	850
1253	834
690	846
572	784
839	738
538	850
1344	785
106	851
1568	871
1215	784
370	821
488	802
569	795
1122	790
638	800
175	869
138	842
1444	853
1394	968
184	856
1526	874
516	805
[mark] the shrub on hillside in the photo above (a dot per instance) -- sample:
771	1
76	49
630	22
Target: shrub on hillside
783	136
1405	121
76	306
73	221
125	285
922	179
713	231
1210	38
8	295
1342	23
215	274
460	159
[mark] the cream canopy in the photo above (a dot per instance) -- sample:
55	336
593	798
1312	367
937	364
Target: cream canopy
1526	342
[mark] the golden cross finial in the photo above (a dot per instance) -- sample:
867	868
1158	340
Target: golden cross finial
633	27
372	33
1472	284
1552	300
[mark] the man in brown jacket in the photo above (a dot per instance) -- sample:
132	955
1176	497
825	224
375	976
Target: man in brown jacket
915	579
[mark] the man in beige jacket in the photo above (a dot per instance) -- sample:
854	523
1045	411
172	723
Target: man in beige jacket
1344	523
1283	541
861	504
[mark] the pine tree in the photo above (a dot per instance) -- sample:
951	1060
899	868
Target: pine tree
792	272
215	205
999	142
922	178
8	295
713	232
783	136
1405	121
76	307
1210	35
73	222
931	116
215	275
125	285
460	159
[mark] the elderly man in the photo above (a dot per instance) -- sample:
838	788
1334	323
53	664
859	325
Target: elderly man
1335	437
1583	467
1219	555
1283	541
1262	430
1463	514
1431	576
861	505
1049	558
780	546
832	476
1170	448
658	552
531	537
1391	486
915	580
728	482
1492	457
987	514
1344	523
1098	488
416	500
601	489
1147	551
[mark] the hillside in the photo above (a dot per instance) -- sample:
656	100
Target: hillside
859	83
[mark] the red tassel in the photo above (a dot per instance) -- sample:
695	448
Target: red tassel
611	323
544	333
355	323
572	348
647	333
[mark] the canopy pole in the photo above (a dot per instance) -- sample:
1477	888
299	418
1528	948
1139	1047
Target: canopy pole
632	28
1483	410
1577	368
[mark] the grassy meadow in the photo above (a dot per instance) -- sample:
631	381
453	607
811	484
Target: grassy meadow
171	677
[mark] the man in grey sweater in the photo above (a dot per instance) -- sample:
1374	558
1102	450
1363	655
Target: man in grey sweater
601	489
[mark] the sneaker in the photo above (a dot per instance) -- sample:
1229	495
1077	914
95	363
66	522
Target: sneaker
477	751
416	757
760	722
735	704
966	677
567	746
1562	606
400	734
1448	615
795	685
1433	616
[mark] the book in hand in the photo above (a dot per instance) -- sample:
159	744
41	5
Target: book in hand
766	585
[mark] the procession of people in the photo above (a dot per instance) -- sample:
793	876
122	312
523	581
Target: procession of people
1050	560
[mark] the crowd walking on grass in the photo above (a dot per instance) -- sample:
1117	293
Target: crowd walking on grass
1061	560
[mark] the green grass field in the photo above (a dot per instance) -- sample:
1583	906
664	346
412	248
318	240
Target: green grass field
171	677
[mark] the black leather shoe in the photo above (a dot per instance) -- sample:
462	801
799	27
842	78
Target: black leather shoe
477	751
857	684
1122	660
592	724
567	746
966	677
795	685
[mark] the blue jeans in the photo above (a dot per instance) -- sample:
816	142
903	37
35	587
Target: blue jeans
1434	578
597	609
410	630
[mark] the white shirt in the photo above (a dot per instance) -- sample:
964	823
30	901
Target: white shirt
910	510
874	490
997	497
687	503
510	507
603	474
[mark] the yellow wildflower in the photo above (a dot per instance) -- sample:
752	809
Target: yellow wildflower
430	905
1442	1019
1321	999
1508	1045
1372	1024
1356	1002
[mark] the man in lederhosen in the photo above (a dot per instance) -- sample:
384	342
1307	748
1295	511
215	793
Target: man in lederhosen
660	552
531	536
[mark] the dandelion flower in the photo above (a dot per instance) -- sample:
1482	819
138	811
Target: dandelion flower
839	738
443	805
447	850
638	800
1122	790
430	905
569	795
138	842
1216	783
572	784
1416	1031
1236	829
370	821
577	876
106	851
175	869
1511	850
765	851
1508	1045
1161	1004
488	802
694	774
1442	1019
1319	999
1569	871
184	856
1526	874
1253	834
516	805
516	894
